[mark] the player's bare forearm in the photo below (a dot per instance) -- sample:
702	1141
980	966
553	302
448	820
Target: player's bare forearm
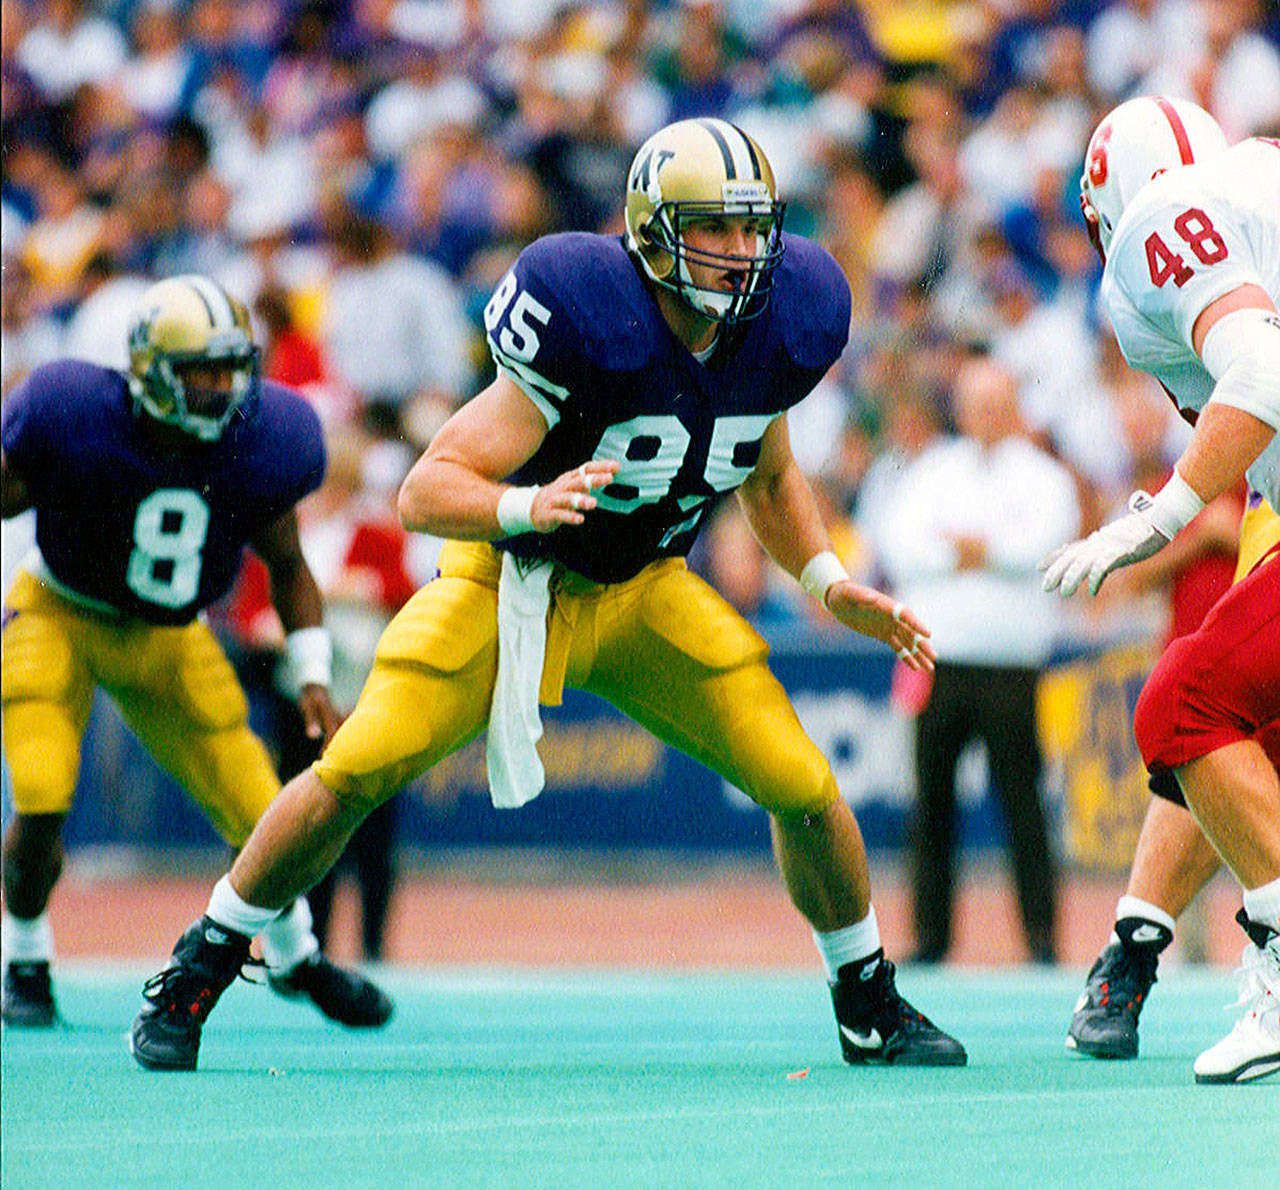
455	488
448	498
780	505
15	497
1226	441
295	594
785	518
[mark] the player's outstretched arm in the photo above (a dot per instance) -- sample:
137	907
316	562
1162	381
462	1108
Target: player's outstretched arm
1238	337
455	489
781	508
296	596
15	497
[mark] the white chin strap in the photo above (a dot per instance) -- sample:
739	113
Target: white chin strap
711	302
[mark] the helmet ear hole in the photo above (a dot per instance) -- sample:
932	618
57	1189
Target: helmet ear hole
659	256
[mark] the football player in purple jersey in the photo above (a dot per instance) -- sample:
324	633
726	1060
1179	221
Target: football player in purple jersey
638	378
147	487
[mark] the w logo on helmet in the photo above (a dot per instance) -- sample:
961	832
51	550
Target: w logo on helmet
646	170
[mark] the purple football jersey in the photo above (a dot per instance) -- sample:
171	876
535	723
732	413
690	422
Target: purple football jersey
156	535
575	325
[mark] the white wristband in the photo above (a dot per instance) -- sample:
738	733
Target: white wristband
515	509
308	655
820	572
1172	508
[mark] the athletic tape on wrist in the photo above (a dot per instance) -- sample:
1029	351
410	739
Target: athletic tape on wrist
820	572
309	653
515	510
1173	507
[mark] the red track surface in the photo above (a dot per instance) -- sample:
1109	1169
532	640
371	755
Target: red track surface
719	918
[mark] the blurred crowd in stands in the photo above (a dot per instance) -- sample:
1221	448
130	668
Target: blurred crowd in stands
362	172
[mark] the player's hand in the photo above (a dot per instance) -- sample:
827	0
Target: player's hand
1118	543
875	614
564	500
318	713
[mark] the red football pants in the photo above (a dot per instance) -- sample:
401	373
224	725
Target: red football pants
1220	684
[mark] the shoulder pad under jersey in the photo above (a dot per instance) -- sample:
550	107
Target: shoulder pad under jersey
280	446
812	304
57	407
1176	249
590	284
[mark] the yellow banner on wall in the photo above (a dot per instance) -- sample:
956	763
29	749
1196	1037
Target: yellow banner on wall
1086	729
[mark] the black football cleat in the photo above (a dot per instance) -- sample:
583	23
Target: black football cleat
343	996
1105	1021
878	1027
205	962
27	999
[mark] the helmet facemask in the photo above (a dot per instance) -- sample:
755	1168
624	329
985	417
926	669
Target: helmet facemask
166	394
666	231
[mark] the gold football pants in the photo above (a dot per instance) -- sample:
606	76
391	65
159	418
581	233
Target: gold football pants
1259	532
663	648
174	686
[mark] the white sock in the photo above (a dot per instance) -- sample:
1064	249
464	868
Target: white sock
229	909
1263	904
1128	906
848	945
289	939
25	940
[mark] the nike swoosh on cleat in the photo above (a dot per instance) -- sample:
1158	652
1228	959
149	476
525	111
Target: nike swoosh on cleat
864	1041
1147	934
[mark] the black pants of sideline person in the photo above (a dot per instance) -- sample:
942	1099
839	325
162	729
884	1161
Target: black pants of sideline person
996	705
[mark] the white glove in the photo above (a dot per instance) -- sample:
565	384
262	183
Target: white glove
1118	543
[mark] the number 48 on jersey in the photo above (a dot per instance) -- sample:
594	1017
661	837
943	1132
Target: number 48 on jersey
1198	233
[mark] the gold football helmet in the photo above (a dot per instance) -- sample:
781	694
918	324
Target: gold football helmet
188	323
696	169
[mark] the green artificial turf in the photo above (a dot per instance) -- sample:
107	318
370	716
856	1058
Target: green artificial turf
630	1079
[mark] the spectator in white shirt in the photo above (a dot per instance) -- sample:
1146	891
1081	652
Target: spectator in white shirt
395	326
970	519
67	46
1127	42
155	81
98	329
424	97
1234	71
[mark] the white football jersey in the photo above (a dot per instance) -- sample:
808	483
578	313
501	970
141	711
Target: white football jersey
1188	237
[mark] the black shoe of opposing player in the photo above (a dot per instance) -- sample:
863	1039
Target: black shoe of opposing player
1105	1021
878	1027
28	995
178	1000
342	995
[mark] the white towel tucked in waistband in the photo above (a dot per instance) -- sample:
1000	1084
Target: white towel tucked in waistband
515	769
